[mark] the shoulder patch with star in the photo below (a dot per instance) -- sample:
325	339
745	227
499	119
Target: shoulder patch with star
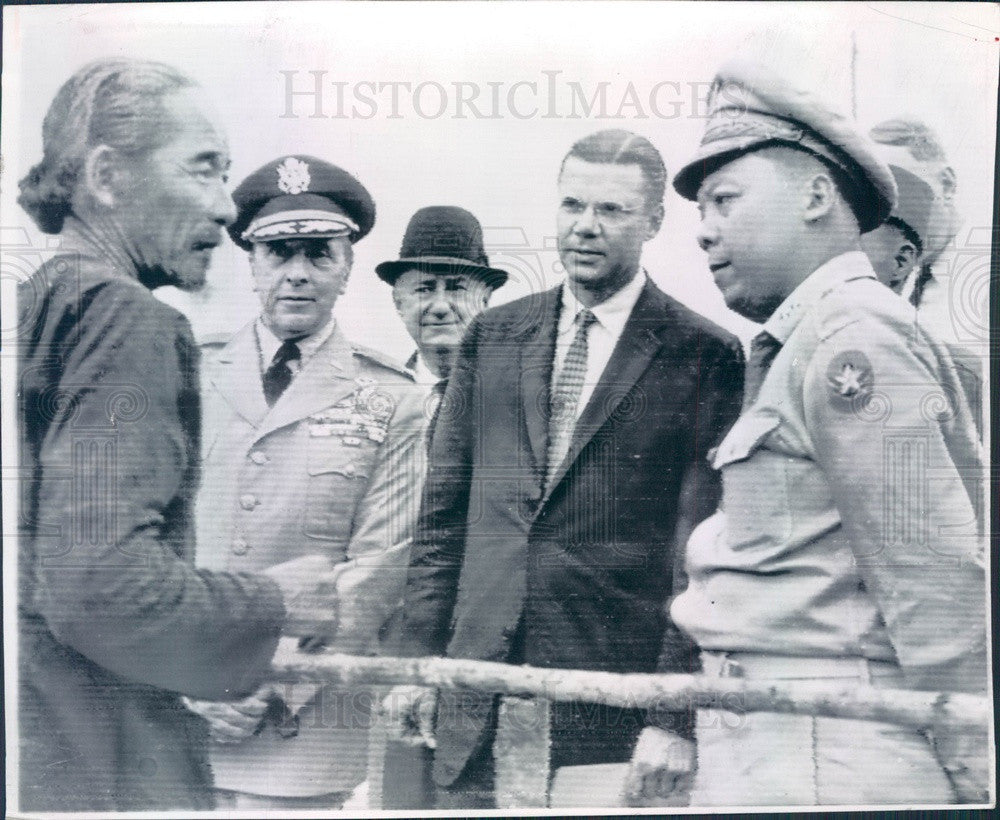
850	380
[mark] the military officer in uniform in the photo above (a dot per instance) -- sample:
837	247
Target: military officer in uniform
309	447
895	246
846	546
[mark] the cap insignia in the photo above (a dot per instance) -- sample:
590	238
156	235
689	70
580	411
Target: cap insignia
293	176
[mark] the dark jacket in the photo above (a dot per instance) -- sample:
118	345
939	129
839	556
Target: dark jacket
576	576
114	620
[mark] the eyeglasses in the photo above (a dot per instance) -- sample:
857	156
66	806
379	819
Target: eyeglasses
607	213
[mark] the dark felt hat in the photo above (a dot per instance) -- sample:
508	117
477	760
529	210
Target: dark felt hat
300	197
443	239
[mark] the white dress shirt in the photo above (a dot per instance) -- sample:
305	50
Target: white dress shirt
602	335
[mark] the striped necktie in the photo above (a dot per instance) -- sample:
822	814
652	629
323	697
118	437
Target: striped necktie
566	395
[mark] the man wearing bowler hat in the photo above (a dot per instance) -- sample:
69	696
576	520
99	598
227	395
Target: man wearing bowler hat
309	446
440	283
846	548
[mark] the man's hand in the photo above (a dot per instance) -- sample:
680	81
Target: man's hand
965	756
410	711
308	586
661	771
232	721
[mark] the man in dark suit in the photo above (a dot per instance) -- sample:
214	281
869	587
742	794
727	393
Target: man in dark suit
115	623
567	467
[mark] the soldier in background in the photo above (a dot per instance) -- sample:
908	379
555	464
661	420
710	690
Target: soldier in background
834	557
310	446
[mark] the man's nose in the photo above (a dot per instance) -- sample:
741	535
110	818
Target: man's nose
706	234
587	223
223	208
297	270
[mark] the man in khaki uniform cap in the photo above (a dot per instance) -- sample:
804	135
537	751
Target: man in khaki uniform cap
846	548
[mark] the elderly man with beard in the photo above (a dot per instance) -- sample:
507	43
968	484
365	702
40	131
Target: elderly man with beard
114	620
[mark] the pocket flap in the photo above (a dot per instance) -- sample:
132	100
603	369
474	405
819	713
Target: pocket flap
745	436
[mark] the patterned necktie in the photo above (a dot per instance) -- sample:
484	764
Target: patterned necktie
566	395
278	375
763	349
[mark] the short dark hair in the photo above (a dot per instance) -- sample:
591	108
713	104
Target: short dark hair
909	234
118	103
922	142
620	147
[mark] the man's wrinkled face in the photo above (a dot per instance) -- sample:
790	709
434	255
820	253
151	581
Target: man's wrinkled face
892	255
176	203
437	307
298	282
603	221
750	223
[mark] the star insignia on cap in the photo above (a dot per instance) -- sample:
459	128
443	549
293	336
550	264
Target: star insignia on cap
293	176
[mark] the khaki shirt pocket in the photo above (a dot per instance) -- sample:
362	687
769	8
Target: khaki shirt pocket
755	484
339	468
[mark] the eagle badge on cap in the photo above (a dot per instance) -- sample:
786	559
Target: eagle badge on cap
293	176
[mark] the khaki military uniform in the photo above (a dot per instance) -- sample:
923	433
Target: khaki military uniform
333	467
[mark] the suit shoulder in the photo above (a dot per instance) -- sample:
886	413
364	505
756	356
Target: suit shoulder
690	321
524	310
384	363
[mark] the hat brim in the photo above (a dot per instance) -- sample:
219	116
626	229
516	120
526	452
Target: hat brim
870	204
389	272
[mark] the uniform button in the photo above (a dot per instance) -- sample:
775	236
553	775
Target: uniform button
257	457
248	502
240	546
349	469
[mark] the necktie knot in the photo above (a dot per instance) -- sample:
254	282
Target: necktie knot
763	348
278	375
584	319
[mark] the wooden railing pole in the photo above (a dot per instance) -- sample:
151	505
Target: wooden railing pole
921	710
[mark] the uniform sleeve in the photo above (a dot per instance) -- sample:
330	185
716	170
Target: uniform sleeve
372	581
115	486
439	541
883	416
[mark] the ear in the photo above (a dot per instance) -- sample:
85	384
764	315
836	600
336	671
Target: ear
906	256
103	175
655	221
396	299
949	184
821	193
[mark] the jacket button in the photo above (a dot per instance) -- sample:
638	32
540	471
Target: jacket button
240	546
248	502
349	469
258	457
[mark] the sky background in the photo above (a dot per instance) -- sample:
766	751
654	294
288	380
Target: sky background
934	61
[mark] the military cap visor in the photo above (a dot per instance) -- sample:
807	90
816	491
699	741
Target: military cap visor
300	197
751	108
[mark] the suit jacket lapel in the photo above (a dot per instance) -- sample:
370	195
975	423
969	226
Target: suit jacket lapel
537	347
237	376
638	345
327	377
